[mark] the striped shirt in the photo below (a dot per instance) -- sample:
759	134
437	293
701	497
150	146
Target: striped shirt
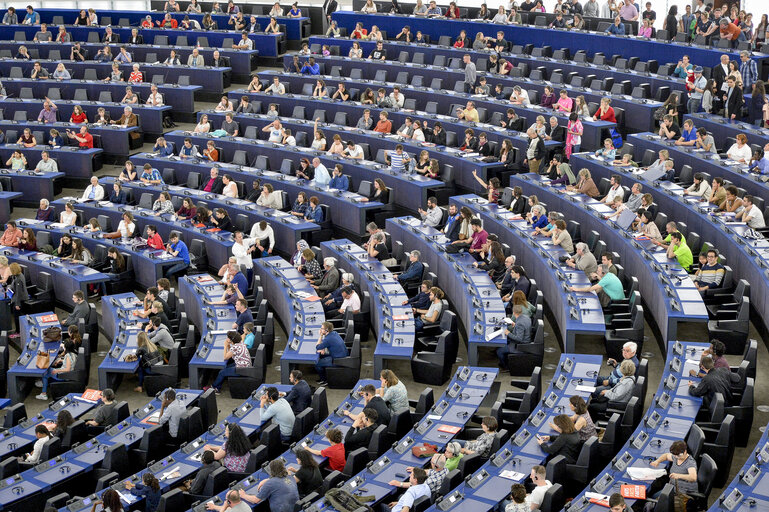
396	161
710	275
435	479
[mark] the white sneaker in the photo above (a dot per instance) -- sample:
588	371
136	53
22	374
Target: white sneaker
38	383
42	396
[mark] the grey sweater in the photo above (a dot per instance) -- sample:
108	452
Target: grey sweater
622	391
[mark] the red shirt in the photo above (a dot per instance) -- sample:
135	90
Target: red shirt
172	23
146	24
88	142
336	456
78	118
732	30
608	115
136	76
155	242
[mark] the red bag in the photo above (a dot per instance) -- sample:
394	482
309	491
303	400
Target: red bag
424	450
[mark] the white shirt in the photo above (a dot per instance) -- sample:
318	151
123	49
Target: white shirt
356	152
240	252
703	190
736	153
613	192
68	219
258	234
125	230
432	217
353	303
37	450
231	190
322	177
418	135
271	201
524	97
155	99
398	102
98	193
538	494
290	141
275	136
756	217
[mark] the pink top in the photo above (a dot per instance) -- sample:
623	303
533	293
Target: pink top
645	31
565	104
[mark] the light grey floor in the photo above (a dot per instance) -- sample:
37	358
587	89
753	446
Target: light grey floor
403	370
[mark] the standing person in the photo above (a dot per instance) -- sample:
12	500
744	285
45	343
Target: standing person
470	73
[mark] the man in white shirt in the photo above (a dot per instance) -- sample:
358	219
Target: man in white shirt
406	129
538	477
263	237
416	489
351	300
94	191
432	216
397	98
751	214
614	191
275	129
520	96
245	43
155	98
46	164
243	249
322	177
353	151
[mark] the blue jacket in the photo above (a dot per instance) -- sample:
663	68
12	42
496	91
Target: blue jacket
453	224
339	183
336	295
314	214
335	345
244	318
299	396
307	69
616	375
616	30
420	301
167	150
119	198
241	281
539	222
412	273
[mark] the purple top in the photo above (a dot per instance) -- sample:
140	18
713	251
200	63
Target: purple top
47	116
46	215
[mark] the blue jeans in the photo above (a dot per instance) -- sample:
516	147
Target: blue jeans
143	372
323	363
229	371
693	105
502	353
176	269
48	375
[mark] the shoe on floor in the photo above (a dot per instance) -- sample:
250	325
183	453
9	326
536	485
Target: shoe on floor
38	383
42	396
322	383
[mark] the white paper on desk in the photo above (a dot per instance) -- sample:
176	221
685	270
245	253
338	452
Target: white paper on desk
692	362
434	417
127	497
57	225
512	475
586	389
170	472
645	473
596	496
494	334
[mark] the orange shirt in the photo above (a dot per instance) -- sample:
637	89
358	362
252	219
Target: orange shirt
384	126
732	30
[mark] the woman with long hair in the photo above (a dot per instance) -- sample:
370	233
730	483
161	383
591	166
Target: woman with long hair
147	354
63	421
583	423
566	443
393	391
759	110
149	489
307	475
235	451
110	502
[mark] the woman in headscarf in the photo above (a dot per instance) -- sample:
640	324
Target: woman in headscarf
297	259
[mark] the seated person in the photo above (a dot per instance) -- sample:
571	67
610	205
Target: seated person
620	392
432	315
482	445
566	443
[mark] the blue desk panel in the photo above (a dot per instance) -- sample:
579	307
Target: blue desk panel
115	140
592	43
33	185
459	280
675	302
74	162
576	313
395	338
287	292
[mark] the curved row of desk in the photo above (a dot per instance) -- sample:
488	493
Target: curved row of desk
185	462
550	64
576	313
202	79
73	161
722	128
150	118
666	288
296	304
748	258
288	228
377	143
69	277
708	163
467	391
393	323
669	419
53	475
591	42
593	131
20	438
341	204
218	247
24	371
148	264
296	28
213	322
115	140
408	190
124	327
470	290
268	45
242	62
512	463
639	113
353	402
462	177
748	490
6	198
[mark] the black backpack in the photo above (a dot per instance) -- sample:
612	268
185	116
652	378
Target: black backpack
343	501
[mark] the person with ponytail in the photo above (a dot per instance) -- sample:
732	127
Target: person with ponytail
43	435
149	489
